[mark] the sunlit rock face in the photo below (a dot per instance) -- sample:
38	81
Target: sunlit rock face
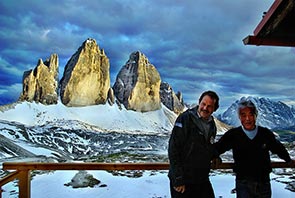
41	84
172	101
86	78
137	85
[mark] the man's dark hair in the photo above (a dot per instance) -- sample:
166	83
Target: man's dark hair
213	96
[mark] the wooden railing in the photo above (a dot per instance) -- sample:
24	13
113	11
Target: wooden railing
22	170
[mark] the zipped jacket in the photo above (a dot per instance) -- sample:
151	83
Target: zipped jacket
190	149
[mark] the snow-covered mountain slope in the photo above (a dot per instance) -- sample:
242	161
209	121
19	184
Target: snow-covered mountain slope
101	117
31	130
104	118
67	133
73	140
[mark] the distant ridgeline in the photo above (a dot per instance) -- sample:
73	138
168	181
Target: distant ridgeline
86	81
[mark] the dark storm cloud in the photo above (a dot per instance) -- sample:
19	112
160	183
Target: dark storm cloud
195	45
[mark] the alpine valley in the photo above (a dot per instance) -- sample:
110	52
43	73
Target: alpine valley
82	118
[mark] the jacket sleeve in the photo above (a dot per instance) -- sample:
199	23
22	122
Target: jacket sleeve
175	149
276	147
224	143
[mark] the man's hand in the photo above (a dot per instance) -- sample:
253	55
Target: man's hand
179	189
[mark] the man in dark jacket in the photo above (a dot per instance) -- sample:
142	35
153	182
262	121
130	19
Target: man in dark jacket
250	145
190	150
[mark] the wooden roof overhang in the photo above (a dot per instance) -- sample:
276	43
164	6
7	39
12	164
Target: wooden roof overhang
277	27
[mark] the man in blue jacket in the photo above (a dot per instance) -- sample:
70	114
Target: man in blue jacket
190	150
250	145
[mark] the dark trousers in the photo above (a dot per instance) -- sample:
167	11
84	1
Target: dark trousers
203	190
253	189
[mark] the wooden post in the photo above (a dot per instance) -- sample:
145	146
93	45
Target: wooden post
24	184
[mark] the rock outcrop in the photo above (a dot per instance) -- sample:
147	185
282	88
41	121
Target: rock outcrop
172	101
86	81
41	84
137	85
86	78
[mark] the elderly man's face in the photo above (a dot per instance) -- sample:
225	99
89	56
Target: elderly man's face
247	118
206	107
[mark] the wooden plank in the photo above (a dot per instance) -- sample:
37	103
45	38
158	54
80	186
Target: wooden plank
281	165
267	16
25	166
8	178
83	166
282	42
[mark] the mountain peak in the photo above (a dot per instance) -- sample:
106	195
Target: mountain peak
137	85
86	79
41	84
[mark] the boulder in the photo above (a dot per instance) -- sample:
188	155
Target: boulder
82	180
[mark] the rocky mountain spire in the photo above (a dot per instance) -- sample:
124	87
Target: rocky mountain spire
41	84
137	85
86	81
172	101
86	78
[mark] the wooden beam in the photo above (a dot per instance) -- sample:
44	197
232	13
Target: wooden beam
275	28
266	18
282	42
24	184
83	166
25	166
8	178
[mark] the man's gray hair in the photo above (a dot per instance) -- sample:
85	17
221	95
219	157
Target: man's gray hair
247	103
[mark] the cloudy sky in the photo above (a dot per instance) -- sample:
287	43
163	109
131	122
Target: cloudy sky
196	45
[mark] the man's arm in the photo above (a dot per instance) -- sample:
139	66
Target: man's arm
223	144
174	154
278	148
